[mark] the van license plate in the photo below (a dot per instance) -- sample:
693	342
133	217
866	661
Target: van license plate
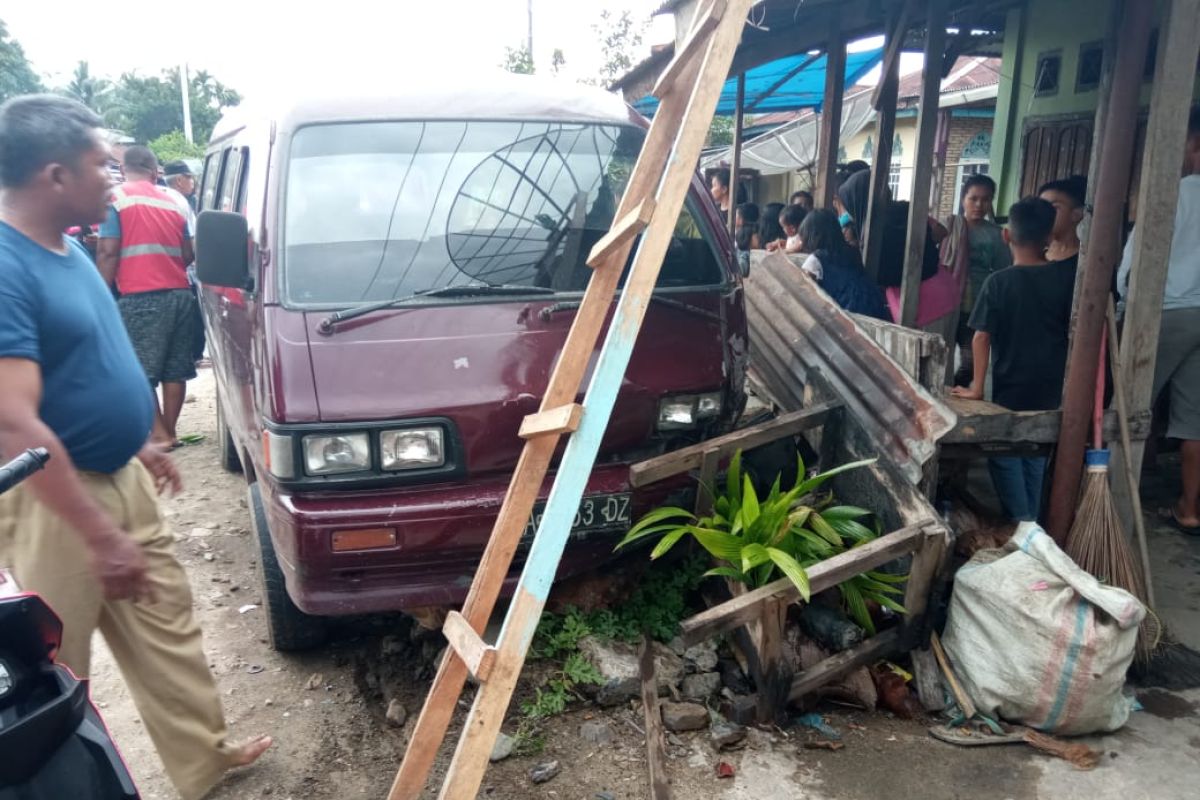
601	512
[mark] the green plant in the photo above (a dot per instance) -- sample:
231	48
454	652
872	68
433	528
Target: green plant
559	689
754	540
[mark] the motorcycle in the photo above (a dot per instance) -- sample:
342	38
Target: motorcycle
53	743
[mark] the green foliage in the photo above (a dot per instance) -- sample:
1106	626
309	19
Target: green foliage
16	73
656	607
149	107
755	540
620	36
173	146
519	60
95	93
720	131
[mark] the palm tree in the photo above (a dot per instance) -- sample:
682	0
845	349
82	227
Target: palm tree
95	93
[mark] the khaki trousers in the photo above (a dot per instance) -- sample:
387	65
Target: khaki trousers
157	644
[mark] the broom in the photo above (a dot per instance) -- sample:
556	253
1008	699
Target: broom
1171	664
1096	541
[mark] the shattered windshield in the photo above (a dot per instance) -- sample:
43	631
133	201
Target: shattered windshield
380	210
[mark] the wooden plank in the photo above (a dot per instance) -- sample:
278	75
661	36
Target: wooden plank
739	118
827	574
706	490
925	563
891	52
927	117
672	175
1170	102
965	704
697	41
689	458
474	652
532	466
980	423
656	756
564	419
831	112
775	675
839	664
885	127
621	236
1104	253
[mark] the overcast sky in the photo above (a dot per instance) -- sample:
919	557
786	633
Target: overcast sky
262	46
252	45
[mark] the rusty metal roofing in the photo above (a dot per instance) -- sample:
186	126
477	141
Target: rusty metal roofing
795	329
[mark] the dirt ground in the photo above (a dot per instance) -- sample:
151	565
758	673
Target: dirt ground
326	709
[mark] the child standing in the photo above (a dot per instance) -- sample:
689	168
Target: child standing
1021	321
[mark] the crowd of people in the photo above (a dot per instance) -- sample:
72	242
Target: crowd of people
1001	296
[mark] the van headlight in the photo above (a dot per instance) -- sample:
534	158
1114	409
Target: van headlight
336	453
412	448
687	411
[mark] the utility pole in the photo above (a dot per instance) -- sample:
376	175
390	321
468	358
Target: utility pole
529	41
187	102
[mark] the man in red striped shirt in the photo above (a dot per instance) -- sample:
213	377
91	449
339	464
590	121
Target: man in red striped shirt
145	248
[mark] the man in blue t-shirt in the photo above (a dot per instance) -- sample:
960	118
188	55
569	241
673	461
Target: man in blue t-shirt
87	533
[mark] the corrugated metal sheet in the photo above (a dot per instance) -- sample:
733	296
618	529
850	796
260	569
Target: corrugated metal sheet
795	329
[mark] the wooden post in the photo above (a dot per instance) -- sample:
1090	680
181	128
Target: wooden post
1174	80
927	117
831	113
1104	251
1104	92
1005	135
736	166
885	131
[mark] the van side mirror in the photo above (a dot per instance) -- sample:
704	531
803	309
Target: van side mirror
223	249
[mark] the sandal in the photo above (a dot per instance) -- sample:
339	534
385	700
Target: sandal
1169	516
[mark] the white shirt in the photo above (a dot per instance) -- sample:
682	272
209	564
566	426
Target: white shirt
184	206
812	265
1183	267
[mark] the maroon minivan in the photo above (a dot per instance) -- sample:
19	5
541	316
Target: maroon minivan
387	283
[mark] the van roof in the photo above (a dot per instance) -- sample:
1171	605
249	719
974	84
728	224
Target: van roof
502	96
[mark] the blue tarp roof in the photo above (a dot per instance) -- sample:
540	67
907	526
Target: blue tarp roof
803	84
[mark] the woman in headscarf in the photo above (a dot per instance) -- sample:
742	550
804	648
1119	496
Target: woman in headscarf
940	293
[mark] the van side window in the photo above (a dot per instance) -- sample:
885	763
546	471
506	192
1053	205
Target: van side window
212	174
239	204
229	180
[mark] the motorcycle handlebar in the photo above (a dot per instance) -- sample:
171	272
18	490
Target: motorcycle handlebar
22	467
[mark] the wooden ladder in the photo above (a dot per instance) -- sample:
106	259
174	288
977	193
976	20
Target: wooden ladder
688	90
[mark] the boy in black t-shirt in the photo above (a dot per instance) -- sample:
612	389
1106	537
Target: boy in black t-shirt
1021	322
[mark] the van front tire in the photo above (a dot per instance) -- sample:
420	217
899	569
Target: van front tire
288	628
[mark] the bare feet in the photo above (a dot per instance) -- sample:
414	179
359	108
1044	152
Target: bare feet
247	753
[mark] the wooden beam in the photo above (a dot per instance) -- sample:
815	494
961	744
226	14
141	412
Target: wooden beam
706	21
831	113
656	756
735	169
891	51
825	575
621	235
533	464
1158	195
474	652
1104	252
689	458
668	178
927	117
981	423
557	421
885	131
839	664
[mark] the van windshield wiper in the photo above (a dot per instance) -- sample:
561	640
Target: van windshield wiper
461	290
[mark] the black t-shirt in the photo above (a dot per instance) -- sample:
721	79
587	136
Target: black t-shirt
1027	311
